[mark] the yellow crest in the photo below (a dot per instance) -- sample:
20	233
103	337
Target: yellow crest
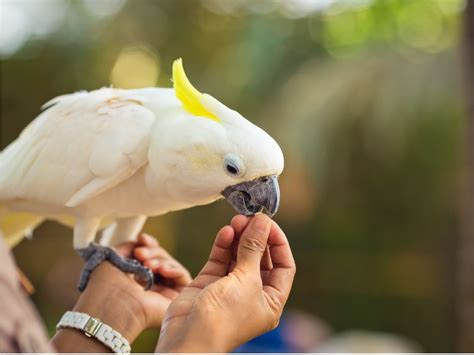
189	96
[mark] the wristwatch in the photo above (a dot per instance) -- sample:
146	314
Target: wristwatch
93	327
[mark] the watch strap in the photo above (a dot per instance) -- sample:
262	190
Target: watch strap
93	327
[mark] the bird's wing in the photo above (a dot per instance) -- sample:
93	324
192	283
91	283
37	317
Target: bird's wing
82	145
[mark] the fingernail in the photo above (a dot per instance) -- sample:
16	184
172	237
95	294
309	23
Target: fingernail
145	252
259	224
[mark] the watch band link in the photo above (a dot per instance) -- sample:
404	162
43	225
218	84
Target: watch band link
93	327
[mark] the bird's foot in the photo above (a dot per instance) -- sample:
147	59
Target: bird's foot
95	254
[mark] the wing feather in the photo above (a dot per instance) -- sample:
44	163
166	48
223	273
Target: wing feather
82	145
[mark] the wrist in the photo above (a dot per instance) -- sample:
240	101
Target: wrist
190	345
110	300
191	340
92	328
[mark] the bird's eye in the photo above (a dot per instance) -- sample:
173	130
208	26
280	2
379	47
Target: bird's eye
234	165
232	169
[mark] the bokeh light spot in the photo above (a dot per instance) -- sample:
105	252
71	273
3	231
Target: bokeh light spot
103	8
421	32
449	7
346	31
135	67
14	29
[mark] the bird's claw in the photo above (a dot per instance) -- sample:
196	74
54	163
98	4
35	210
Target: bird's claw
95	254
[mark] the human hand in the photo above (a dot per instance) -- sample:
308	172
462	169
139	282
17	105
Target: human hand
238	295
117	300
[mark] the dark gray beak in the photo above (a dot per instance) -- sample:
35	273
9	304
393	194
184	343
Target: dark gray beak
259	195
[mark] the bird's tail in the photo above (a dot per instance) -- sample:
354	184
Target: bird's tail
14	226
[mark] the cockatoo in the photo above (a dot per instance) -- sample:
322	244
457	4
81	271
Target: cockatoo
115	155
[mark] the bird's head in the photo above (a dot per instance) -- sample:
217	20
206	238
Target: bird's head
216	152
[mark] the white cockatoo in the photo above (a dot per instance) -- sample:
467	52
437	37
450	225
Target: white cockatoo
114	157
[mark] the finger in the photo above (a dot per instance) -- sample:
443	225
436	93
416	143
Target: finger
231	266
266	263
252	243
146	253
159	261
220	255
152	264
147	240
264	276
174	277
280	279
175	272
168	267
280	250
163	264
239	222
219	258
125	249
234	247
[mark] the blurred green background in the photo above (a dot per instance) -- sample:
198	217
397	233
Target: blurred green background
365	98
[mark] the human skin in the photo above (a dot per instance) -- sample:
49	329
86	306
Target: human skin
239	294
119	301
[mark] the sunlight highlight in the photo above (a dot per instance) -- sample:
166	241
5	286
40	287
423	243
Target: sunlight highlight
135	67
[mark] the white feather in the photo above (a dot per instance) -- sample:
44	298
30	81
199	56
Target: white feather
123	155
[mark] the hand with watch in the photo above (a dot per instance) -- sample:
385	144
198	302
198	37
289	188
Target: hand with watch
114	309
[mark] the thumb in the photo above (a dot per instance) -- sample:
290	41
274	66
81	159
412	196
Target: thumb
252	243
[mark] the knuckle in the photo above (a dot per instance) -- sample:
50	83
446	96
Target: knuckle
253	245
